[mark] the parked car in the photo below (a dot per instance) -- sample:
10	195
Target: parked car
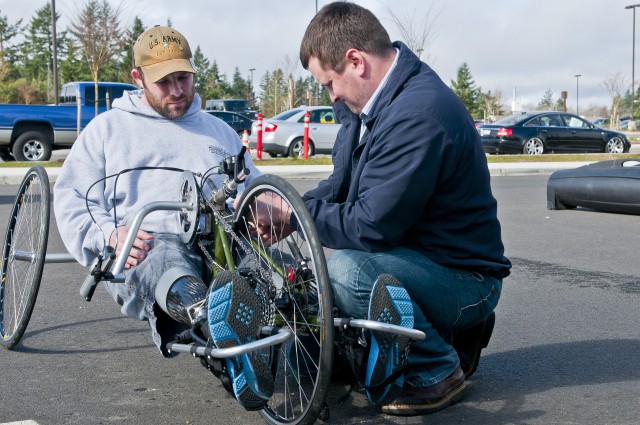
535	133
32	132
239	106
601	122
284	133
238	122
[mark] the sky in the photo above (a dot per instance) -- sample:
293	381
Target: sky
521	48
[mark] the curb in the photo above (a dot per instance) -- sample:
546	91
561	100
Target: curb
308	172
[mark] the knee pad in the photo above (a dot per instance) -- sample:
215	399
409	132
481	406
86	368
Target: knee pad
176	290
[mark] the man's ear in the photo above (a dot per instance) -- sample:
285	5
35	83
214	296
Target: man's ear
355	61
137	77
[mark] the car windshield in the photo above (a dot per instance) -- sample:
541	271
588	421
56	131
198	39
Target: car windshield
236	105
286	114
513	119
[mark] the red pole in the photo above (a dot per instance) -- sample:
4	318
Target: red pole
259	141
306	135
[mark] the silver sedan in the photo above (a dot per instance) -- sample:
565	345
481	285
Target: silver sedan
284	133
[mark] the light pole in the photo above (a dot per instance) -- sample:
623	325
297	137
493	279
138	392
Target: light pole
577	91
633	59
54	43
251	71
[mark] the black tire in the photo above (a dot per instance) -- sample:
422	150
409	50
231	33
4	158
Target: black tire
533	146
296	149
614	145
25	247
5	154
300	299
32	146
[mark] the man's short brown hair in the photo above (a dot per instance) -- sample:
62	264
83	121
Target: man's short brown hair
338	27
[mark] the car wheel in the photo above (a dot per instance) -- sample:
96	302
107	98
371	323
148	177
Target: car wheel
533	146
614	145
5	155
296	150
32	146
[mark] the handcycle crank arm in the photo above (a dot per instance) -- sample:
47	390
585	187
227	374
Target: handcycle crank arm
282	336
379	326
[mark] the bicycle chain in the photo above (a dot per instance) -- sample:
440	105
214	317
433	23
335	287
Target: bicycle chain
265	293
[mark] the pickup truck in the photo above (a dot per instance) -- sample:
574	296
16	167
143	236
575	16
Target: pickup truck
32	132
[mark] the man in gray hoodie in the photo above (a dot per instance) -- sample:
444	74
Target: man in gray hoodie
163	128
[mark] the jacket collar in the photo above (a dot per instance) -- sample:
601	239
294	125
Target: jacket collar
407	66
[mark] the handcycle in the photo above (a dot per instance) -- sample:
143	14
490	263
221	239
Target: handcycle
288	276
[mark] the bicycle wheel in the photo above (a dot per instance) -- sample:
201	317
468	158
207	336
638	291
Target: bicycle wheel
25	246
292	276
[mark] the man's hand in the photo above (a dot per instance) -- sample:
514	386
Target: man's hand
138	250
269	218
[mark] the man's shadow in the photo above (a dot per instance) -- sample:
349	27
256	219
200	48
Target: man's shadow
510	376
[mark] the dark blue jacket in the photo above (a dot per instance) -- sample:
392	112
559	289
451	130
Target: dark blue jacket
418	179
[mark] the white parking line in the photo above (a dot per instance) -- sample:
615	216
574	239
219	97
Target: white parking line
28	422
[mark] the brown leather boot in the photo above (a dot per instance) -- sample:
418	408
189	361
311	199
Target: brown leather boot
420	401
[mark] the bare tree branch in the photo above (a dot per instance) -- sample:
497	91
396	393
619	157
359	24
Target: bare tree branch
417	34
97	27
615	85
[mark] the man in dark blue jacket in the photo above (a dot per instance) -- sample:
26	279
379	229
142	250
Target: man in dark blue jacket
409	196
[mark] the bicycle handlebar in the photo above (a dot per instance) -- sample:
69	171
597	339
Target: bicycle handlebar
233	167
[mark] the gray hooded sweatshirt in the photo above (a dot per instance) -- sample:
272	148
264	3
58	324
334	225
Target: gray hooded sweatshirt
132	135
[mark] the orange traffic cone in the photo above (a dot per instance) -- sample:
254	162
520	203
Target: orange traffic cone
245	140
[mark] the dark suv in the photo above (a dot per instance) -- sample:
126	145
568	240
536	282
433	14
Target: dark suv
238	122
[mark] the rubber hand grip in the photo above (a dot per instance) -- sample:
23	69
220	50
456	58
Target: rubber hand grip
88	287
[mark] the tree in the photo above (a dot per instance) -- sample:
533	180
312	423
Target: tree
126	63
417	35
240	87
204	74
37	50
615	85
97	28
7	51
72	66
547	101
274	93
491	103
465	88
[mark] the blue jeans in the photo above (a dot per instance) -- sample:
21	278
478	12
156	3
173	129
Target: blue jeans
445	300
136	295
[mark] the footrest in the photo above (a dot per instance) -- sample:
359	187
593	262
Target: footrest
281	336
379	326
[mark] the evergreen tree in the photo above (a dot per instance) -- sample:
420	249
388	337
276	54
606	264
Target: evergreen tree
274	98
71	65
547	101
465	88
125	61
8	51
240	87
37	50
204	74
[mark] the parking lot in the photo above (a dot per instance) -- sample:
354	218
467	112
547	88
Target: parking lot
564	351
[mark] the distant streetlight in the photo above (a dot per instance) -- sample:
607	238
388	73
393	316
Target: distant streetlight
577	91
251	71
633	58
54	43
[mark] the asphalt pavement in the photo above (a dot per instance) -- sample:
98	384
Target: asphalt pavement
565	349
